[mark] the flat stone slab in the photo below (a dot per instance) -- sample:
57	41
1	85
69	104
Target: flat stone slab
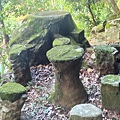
65	53
110	92
61	41
85	112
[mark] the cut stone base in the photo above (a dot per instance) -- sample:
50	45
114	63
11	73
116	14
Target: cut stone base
85	112
11	110
110	92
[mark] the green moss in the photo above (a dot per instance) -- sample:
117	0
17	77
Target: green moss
113	80
105	49
65	53
11	91
61	41
16	48
56	95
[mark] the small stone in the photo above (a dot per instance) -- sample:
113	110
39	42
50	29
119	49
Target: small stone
85	112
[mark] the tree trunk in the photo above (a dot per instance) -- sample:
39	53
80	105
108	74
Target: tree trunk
5	37
90	10
114	5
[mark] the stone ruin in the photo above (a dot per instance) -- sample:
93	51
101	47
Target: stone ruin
30	42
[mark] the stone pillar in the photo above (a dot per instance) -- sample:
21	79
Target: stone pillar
105	60
110	92
69	90
12	98
85	112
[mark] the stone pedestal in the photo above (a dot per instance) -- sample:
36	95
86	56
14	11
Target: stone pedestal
85	112
69	90
12	98
105	60
110	92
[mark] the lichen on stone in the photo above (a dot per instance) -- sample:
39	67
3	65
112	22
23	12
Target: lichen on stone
11	91
65	53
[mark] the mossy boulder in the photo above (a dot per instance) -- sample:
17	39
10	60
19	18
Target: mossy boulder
110	92
30	42
11	91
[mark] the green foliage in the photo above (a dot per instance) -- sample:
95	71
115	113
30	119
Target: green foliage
4	61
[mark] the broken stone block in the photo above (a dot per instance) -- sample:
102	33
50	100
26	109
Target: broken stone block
110	92
12	98
69	90
105	59
85	112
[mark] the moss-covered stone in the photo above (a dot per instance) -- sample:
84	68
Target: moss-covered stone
110	92
65	53
105	59
11	91
113	80
105	49
61	41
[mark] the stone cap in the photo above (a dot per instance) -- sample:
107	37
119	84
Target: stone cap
113	80
85	111
105	48
65	53
61	41
11	91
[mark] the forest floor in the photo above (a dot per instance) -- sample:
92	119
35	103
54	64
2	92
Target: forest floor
37	106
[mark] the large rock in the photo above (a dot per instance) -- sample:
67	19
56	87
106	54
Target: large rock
34	38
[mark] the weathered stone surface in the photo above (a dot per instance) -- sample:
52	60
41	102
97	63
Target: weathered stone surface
11	110
105	59
34	38
85	112
110	92
11	91
61	41
20	64
65	53
68	90
113	30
